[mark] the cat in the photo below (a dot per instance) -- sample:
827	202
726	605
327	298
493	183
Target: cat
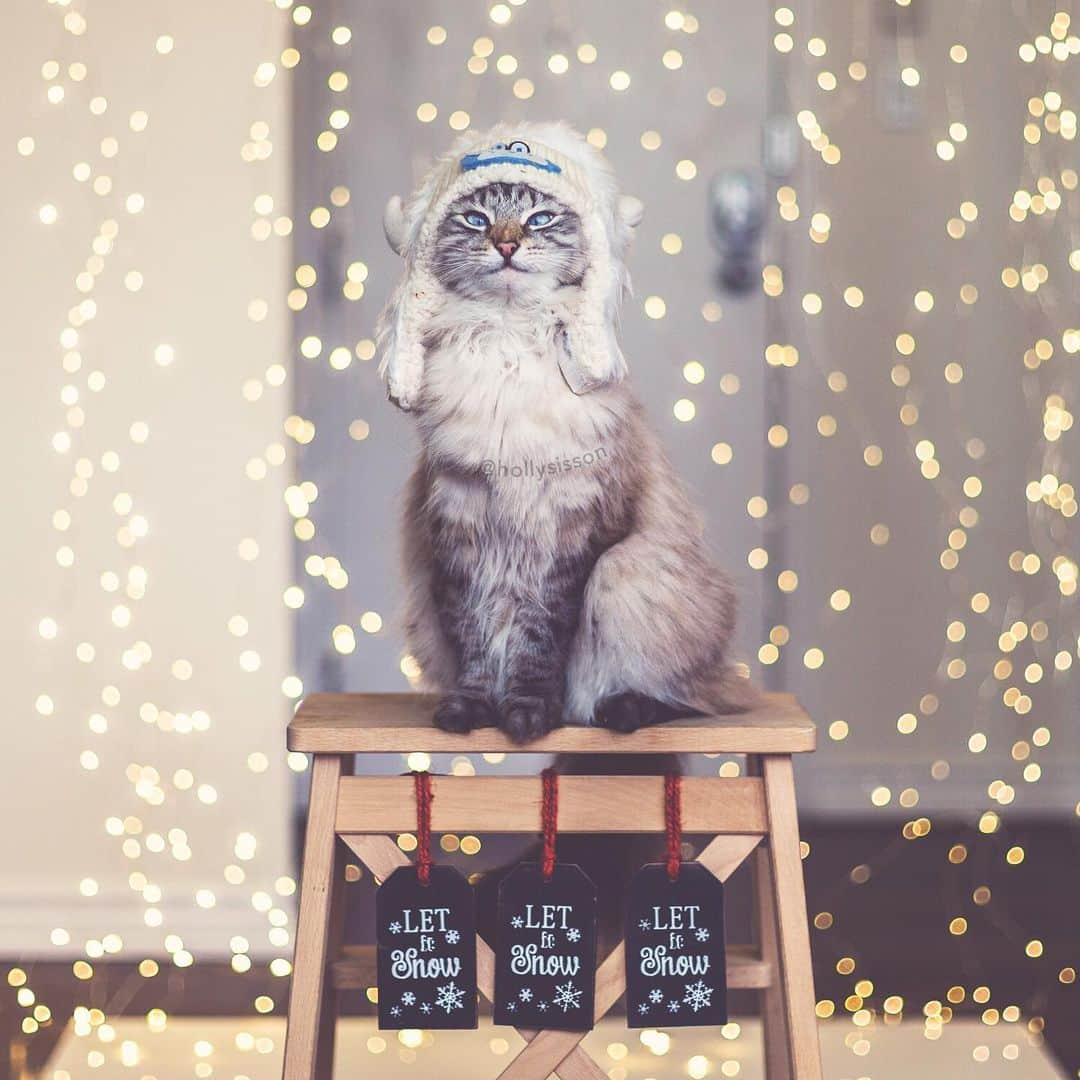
556	568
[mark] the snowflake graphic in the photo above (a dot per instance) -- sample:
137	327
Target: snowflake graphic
526	994
452	937
573	934
644	924
408	998
567	997
449	996
425	1008
698	995
643	1008
656	995
517	922
395	1011
395	928
702	933
542	1006
511	1006
673	1006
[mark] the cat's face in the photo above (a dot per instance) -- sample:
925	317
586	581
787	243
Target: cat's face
509	242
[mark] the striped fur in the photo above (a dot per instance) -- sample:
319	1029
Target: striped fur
467	263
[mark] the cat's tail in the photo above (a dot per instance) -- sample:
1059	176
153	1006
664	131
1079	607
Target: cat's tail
728	690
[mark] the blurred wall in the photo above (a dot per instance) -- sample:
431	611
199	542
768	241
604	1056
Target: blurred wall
137	544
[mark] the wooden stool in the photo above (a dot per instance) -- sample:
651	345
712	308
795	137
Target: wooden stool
754	814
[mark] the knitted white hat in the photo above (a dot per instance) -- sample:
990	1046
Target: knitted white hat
554	159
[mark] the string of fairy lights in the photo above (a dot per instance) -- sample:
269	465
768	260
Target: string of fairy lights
1025	616
1035	641
152	800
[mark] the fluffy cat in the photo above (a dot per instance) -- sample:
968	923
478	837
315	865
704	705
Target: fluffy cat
557	570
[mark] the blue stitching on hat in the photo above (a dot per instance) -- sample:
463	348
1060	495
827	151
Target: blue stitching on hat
479	161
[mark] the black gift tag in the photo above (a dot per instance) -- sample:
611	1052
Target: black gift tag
426	950
676	974
545	949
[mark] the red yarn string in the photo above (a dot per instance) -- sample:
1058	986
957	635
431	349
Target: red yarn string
673	822
549	816
424	797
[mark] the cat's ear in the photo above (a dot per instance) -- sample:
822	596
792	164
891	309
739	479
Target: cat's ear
631	210
394	224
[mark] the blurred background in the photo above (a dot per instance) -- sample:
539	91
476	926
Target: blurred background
855	324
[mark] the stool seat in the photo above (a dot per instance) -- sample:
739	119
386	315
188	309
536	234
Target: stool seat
402	723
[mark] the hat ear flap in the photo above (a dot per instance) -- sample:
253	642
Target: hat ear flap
401	322
400	336
590	356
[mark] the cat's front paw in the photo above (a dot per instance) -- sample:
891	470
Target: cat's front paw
526	717
626	712
459	713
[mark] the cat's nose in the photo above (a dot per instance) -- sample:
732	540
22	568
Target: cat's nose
507	248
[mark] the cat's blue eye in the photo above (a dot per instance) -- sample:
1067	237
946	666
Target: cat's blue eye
518	147
475	220
540	219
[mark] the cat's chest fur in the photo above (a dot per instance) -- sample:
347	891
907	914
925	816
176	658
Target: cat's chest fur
494	392
496	407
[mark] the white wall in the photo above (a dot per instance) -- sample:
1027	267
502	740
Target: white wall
201	269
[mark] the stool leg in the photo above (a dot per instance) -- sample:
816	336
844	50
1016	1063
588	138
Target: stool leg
773	1019
309	1037
328	1013
773	1012
793	933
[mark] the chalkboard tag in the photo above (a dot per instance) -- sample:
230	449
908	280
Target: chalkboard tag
676	974
545	948
426	950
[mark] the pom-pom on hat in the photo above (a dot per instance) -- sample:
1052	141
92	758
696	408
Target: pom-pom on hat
554	159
